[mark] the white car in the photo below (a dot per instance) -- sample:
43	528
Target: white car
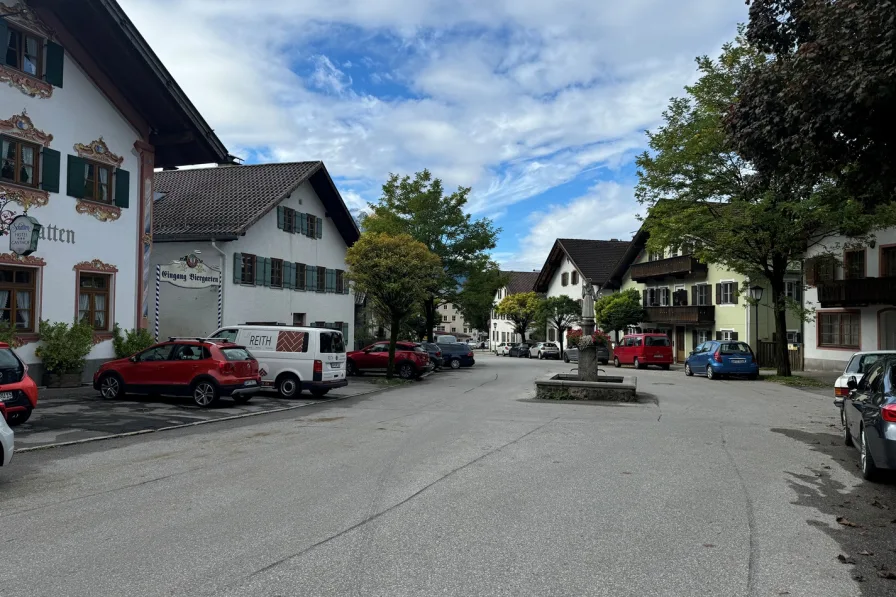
857	366
503	349
6	442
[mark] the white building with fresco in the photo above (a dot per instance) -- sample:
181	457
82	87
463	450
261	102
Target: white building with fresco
502	328
84	119
278	233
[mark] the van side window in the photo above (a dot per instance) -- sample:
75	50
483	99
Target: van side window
229	335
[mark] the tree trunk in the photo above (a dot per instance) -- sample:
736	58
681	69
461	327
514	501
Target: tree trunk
780	310
393	338
429	309
560	341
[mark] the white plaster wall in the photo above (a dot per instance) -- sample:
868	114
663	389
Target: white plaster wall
80	113
502	325
194	312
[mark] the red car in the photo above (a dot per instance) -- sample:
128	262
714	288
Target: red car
642	350
203	369
411	360
18	392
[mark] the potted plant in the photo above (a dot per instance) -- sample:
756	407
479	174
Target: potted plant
63	350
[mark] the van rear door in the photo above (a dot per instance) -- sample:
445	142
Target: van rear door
331	347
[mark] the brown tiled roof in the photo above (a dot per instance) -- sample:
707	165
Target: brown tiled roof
595	259
520	281
223	202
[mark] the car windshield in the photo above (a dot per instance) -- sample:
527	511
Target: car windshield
331	342
8	360
237	353
656	341
860	363
734	348
550	345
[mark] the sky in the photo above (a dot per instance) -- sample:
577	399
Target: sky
539	107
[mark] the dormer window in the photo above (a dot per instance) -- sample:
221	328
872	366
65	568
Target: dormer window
24	52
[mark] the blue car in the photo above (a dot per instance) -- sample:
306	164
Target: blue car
457	355
719	358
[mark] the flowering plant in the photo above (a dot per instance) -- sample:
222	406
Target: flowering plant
576	339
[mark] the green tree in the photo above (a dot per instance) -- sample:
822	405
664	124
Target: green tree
701	194
476	300
394	272
522	309
822	104
419	207
618	311
560	312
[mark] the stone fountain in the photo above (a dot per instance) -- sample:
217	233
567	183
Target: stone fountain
588	383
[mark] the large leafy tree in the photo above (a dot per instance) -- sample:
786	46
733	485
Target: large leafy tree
822	104
522	309
394	272
476	299
419	207
560	313
618	311
702	194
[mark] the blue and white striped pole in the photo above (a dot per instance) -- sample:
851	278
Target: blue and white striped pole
221	304
158	297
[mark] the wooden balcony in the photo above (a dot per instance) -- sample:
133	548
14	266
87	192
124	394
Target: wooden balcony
680	267
857	293
681	315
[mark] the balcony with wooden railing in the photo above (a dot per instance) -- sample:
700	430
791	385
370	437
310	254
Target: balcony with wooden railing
857	292
682	315
681	266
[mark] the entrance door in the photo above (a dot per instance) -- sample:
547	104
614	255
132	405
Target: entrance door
680	349
888	330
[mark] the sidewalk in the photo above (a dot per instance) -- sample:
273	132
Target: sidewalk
825	377
73	414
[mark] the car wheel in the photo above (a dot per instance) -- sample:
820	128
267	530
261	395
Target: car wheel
637	363
407	371
204	393
753	376
687	370
847	436
869	469
351	368
288	385
19	417
319	392
710	374
111	386
616	362
666	367
455	363
604	362
566	358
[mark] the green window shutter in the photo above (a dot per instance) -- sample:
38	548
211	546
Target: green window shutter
55	61
76	176
289	275
237	268
313	277
281	216
332	280
49	168
122	188
267	271
344	332
320	228
301	224
259	271
4	33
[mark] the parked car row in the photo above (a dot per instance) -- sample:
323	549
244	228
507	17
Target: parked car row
412	359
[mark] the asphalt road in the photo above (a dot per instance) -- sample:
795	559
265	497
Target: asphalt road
461	485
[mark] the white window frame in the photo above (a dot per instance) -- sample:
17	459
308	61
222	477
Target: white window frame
703	336
791	336
667	295
708	299
729	303
793	289
727	335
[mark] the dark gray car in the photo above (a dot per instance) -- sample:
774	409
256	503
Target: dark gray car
571	355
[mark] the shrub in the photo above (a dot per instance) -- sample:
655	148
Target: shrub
9	334
64	347
130	342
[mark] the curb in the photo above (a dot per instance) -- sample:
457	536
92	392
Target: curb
89	440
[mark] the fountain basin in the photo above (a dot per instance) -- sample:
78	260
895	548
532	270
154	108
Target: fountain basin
568	387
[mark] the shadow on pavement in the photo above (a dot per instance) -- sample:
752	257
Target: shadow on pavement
866	513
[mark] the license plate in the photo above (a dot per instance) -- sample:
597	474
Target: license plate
251	382
738	361
4	396
657	356
335	365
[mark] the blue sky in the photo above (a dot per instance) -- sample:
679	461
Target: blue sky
540	107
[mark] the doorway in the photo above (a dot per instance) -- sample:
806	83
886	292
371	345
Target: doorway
887	329
680	348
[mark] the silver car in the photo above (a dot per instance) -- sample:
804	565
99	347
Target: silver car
571	355
6	442
545	350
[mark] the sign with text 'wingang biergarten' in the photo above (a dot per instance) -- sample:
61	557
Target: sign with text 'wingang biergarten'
190	272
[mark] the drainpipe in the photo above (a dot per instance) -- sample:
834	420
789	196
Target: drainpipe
223	274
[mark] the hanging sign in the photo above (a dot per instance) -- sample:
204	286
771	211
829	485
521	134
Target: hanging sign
24	232
190	272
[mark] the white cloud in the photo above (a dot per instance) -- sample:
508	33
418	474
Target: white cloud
606	212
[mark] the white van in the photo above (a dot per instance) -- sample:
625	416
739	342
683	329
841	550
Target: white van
445	339
292	359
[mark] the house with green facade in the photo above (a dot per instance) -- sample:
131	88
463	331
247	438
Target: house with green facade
694	302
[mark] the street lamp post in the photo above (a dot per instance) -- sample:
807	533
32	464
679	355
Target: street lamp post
756	295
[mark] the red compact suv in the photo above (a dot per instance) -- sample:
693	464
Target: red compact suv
18	392
642	350
203	369
411	360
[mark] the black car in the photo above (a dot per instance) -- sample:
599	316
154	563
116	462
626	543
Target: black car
520	350
869	418
457	355
435	354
